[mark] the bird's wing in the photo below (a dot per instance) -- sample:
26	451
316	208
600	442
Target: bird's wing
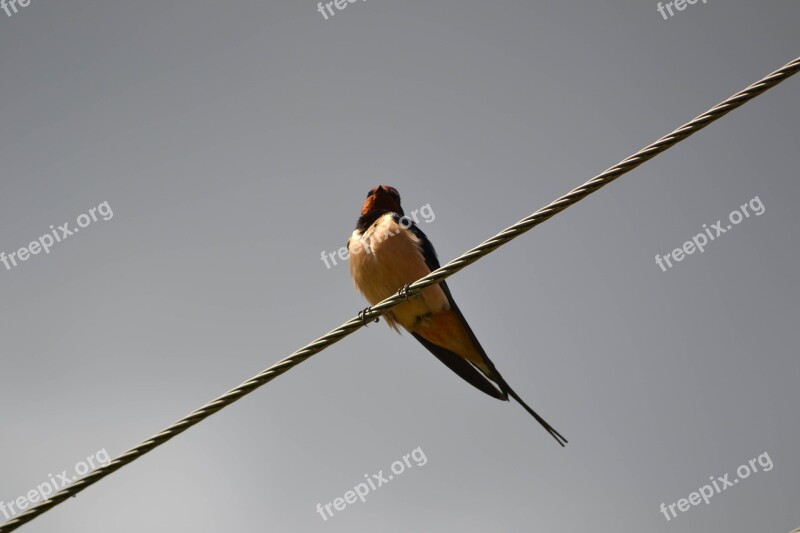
449	337
467	357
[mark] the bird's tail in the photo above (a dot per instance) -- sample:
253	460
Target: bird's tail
505	387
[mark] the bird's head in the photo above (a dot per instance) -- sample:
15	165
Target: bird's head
382	198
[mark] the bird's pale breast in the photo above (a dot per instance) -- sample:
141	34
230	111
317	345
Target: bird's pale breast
385	258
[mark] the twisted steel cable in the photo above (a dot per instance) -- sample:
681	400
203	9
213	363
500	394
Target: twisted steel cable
434	277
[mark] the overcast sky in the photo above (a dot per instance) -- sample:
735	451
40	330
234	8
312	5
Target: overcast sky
217	150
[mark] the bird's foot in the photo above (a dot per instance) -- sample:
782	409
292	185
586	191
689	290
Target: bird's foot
404	291
363	316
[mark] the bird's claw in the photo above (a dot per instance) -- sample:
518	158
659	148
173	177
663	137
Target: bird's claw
404	291
363	316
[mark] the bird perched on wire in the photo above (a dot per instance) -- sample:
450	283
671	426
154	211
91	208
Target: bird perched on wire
387	252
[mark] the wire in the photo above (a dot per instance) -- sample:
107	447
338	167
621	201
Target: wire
434	277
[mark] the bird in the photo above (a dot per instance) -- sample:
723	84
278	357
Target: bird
386	252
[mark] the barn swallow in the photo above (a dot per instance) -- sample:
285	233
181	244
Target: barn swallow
387	252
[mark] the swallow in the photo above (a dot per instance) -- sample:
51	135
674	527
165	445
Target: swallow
387	252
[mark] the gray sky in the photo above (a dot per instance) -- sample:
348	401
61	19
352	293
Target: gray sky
234	143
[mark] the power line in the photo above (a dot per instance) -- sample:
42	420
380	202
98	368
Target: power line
434	277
